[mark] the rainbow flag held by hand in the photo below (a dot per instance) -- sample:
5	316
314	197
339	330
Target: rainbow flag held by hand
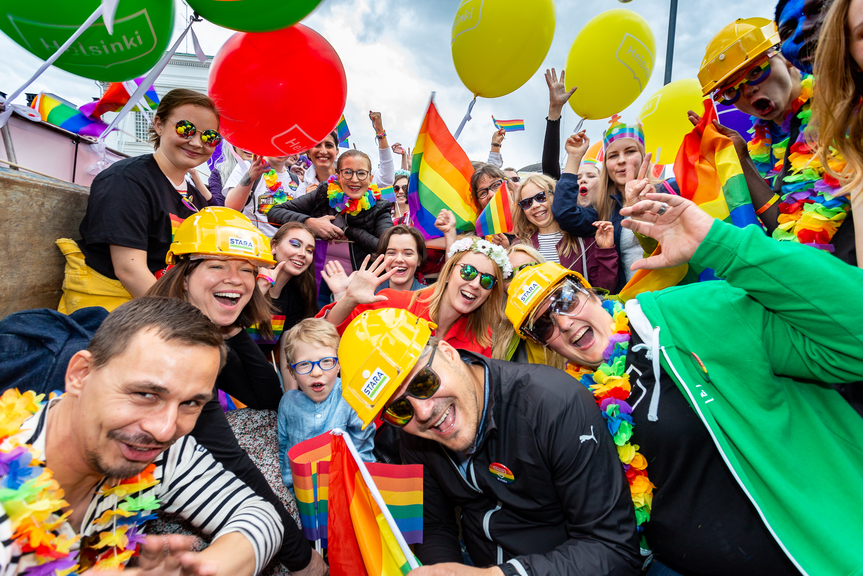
440	178
708	172
361	541
509	125
388	194
401	487
496	217
343	131
117	95
66	115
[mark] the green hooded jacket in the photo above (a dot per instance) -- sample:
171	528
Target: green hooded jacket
787	321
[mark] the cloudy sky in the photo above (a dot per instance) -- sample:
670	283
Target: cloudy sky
396	52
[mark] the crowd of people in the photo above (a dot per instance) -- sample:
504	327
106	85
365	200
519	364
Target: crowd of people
707	428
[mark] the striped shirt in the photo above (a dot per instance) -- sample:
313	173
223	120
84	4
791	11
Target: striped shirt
548	246
192	484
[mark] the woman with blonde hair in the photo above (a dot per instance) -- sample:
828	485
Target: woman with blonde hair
465	303
837	100
535	226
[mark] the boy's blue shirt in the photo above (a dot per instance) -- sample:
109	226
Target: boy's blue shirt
301	419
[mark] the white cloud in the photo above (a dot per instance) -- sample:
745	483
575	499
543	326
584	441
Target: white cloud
396	53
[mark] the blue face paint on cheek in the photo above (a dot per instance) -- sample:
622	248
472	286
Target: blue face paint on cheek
791	30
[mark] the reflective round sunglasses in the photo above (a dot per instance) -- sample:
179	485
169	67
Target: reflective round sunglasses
187	130
469	272
422	387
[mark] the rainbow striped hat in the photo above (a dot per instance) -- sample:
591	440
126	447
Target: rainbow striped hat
618	130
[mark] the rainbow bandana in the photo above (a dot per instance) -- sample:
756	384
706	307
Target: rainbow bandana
618	130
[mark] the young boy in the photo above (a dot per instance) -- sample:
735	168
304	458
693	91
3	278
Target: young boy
311	350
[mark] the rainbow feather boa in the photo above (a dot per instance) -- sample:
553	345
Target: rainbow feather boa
33	500
811	207
344	204
611	389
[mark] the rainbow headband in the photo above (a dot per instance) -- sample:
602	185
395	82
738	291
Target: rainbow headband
618	130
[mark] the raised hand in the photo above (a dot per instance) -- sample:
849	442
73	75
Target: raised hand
445	221
638	185
497	137
604	234
398	149
577	144
678	224
324	228
361	289
557	93
335	277
499	239
256	168
377	122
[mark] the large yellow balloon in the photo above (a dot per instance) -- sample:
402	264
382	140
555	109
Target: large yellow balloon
490	59
664	118
610	61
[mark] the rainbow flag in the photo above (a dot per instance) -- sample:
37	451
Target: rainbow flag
440	178
401	487
708	173
496	217
66	115
362	541
278	324
117	95
343	131
388	194
509	125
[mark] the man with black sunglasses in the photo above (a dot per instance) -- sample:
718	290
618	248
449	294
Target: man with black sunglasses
520	449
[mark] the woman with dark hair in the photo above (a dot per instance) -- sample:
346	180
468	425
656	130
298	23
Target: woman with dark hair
406	247
401	211
135	204
214	260
345	207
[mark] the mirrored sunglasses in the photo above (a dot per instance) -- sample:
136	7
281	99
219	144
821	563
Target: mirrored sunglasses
187	130
469	273
568	300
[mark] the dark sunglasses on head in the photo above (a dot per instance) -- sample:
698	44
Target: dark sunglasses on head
187	130
528	202
468	273
523	266
401	188
422	387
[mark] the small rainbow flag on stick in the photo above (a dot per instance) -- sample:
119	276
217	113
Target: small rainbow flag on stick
496	217
509	125
117	95
401	487
343	131
440	178
59	112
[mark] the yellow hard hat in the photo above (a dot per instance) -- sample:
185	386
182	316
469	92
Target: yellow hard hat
737	44
220	231
531	286
377	351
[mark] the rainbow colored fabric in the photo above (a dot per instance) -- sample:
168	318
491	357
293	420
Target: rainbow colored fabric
440	178
708	173
362	540
388	194
496	217
116	96
618	130
401	487
66	115
508	125
344	132
278	323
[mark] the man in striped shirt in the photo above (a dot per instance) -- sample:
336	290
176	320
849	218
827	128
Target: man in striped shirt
130	400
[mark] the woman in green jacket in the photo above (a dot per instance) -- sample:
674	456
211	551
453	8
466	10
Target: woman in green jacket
741	458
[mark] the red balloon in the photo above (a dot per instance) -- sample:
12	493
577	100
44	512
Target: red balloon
265	110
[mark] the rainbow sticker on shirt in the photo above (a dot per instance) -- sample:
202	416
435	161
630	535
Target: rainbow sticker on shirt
278	323
175	223
501	473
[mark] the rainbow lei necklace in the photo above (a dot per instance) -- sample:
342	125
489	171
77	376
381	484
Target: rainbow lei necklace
810	214
33	499
344	204
611	388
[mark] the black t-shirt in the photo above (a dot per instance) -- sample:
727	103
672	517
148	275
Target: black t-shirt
133	204
290	308
702	523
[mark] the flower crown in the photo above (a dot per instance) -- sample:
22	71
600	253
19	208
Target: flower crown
618	130
481	246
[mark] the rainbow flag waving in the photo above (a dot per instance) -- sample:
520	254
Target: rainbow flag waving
509	125
362	540
440	178
401	487
388	194
708	173
117	95
66	115
343	131
496	217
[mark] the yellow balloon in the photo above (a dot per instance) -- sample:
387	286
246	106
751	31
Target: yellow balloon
610	61
489	61
664	118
